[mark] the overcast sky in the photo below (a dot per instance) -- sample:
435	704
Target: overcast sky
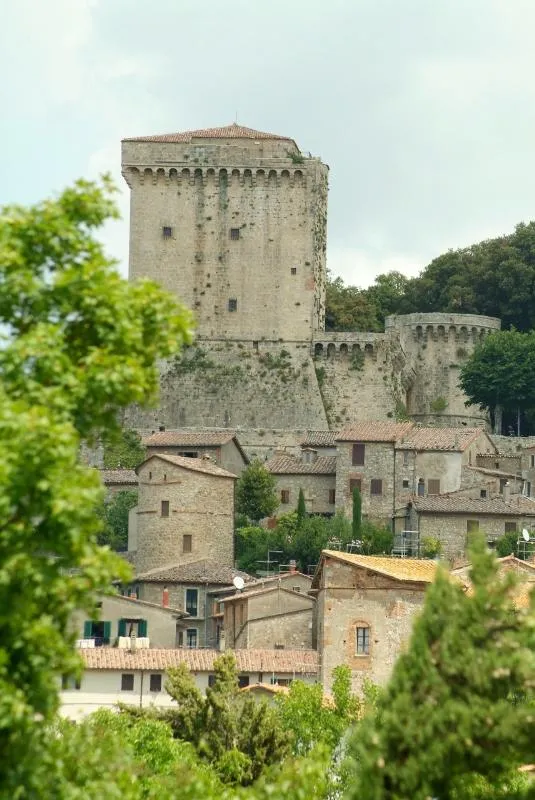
423	109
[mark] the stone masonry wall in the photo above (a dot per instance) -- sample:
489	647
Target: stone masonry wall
378	463
199	504
451	529
316	489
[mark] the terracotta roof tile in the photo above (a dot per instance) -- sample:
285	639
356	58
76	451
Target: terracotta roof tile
250	592
375	432
202	571
319	439
116	477
454	503
233	131
301	662
453	439
178	438
193	464
403	569
499	473
287	465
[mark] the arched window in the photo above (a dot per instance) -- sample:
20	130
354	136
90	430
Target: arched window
362	639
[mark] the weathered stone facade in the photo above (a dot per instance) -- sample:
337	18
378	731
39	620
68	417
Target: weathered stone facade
350	596
273	617
185	512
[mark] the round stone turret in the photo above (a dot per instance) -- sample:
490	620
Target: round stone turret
436	346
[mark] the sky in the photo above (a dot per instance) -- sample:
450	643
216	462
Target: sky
423	109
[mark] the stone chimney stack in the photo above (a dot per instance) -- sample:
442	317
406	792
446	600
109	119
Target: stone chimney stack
165	597
507	492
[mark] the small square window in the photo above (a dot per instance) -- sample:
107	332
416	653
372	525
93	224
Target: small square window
165	508
127	682
232	304
376	486
433	486
293	270
355	483
187	542
167	231
510	527
155	683
234	233
483	493
405	484
285	496
362	642
243	680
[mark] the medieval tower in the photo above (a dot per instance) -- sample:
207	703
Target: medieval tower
233	221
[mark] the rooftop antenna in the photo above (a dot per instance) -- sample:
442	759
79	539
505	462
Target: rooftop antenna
238	582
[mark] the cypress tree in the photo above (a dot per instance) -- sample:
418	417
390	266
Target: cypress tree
301	508
357	512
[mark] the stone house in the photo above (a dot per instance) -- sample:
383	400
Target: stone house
190	588
485	482
452	518
113	675
528	469
314	474
185	512
271	617
366	458
324	442
365	609
222	446
524	570
122	616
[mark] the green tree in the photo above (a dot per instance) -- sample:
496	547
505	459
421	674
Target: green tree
114	514
387	294
237	735
450	718
357	512
507	544
301	507
79	344
123	450
255	492
348	308
500	375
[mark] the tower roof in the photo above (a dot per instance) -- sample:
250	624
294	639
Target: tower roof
233	131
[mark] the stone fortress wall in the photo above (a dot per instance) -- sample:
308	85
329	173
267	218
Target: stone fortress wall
234	222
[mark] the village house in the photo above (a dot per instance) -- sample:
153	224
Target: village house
113	675
324	442
222	446
452	518
365	609
185	513
119	617
314	474
119	480
269	617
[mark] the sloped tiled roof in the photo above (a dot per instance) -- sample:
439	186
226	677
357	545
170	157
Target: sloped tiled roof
287	465
453	439
233	131
455	503
193	464
118	477
498	473
302	662
259	583
375	432
203	571
134	601
319	439
178	438
403	569
266	590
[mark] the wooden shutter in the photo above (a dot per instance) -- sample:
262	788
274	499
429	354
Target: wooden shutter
376	486
358	454
88	629
121	631
433	486
107	630
142	627
355	483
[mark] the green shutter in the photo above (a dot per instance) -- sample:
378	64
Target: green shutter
122	628
142	627
107	630
88	629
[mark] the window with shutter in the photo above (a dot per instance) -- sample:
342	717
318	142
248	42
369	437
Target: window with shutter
358	455
122	628
376	486
433	486
142	627
355	483
88	629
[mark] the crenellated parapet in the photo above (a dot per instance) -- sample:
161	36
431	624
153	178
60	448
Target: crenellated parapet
212	176
459	328
345	345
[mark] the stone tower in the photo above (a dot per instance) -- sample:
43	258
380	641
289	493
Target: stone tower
233	221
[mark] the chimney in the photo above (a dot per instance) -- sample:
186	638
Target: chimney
507	492
293	566
165	597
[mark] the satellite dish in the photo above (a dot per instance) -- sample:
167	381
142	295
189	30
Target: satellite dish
239	583
525	535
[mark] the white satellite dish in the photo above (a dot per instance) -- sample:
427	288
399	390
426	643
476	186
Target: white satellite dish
525	535
239	583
